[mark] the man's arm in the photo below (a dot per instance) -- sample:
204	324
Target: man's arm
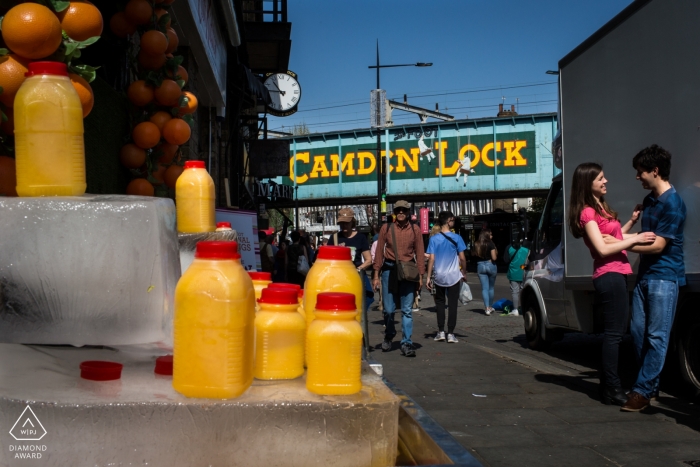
431	262
463	264
419	250
653	249
379	252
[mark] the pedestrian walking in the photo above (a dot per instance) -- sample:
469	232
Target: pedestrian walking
591	217
486	268
294	251
661	272
267	256
516	257
400	265
446	258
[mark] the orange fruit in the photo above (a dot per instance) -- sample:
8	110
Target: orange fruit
160	12
139	93
121	26
81	20
8	177
139	12
146	135
168	93
158	174
140	187
31	30
87	98
181	73
151	62
191	105
9	126
12	70
132	156
167	151
177	131
173	41
160	118
171	175
154	42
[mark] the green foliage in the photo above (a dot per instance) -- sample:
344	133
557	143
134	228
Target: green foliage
300	129
85	71
58	5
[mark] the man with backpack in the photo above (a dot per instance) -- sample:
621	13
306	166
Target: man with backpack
516	256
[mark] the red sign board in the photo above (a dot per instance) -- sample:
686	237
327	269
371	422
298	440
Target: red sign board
424	220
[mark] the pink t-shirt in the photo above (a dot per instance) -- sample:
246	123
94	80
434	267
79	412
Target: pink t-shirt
613	263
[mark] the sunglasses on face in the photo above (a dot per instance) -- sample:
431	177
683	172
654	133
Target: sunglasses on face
400	211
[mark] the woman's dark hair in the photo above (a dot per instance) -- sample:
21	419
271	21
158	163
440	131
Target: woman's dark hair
294	236
653	157
444	217
582	196
483	243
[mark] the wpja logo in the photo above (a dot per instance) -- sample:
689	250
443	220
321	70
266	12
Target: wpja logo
28	428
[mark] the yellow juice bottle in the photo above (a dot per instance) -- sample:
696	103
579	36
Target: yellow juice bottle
213	325
297	288
49	146
333	271
334	346
260	281
194	199
279	336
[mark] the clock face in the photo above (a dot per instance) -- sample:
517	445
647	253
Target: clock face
285	92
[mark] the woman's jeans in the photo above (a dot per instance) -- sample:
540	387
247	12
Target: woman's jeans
487	276
613	299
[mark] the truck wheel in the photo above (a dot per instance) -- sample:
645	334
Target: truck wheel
533	326
689	352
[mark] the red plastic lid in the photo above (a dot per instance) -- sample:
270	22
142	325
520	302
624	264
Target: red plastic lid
283	285
223	224
334	252
217	250
260	276
97	370
279	296
195	165
335	301
47	68
164	365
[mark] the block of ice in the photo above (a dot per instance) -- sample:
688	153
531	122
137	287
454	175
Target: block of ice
141	420
90	270
188	243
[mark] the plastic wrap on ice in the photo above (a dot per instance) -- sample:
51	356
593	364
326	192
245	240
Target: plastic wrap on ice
188	243
90	270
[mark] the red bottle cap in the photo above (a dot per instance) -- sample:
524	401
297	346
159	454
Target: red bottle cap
217	250
195	165
279	296
334	252
164	365
97	370
260	276
335	301
223	224
283	285
47	68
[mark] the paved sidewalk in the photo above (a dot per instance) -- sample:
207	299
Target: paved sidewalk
514	407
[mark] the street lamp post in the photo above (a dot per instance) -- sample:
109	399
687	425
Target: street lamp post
380	160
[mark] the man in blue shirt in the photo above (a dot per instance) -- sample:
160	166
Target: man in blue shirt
446	254
661	272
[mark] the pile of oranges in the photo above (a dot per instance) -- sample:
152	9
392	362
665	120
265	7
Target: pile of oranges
33	32
160	108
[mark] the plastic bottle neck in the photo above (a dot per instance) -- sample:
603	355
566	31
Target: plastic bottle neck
277	307
335	315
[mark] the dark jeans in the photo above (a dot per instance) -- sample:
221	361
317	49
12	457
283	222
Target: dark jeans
452	301
613	299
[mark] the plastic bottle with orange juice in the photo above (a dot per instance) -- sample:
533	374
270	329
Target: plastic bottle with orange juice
333	271
334	346
279	336
194	199
49	145
213	324
297	288
260	281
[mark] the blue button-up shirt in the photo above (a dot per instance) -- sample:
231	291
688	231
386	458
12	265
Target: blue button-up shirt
665	216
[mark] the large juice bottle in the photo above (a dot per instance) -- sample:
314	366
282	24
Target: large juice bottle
334	346
333	271
260	281
213	327
49	146
279	336
194	199
297	288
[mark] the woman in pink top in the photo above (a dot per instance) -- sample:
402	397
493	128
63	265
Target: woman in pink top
591	217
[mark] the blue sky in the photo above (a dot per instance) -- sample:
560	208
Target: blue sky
484	52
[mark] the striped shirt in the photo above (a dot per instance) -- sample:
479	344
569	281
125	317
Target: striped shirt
409	244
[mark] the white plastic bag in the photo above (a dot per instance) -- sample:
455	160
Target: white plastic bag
465	294
302	265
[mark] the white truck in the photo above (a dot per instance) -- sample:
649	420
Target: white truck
633	83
